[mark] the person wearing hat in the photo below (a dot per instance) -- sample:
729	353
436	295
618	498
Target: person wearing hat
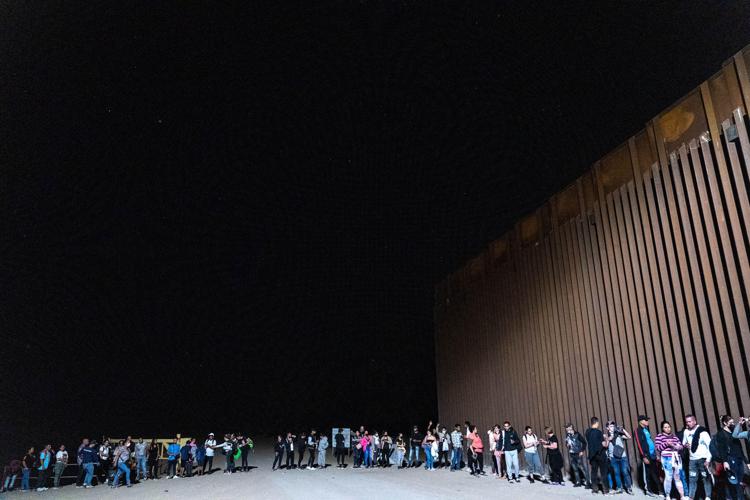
697	439
647	450
209	444
729	452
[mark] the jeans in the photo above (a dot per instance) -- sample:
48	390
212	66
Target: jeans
414	452
398	457
456	459
172	468
187	468
511	463
210	461
311	457
122	468
533	464
89	469
621	472
697	469
579	469
277	458
59	469
322	458
428	457
25	479
368	457
737	466
41	480
9	481
142	471
672	470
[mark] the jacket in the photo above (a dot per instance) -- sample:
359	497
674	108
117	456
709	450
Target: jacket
510	440
173	450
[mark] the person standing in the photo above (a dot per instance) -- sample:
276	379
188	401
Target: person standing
510	446
228	449
496	450
415	443
200	457
531	455
477	452
618	457
186	459
45	458
141	456
356	446
576	445
312	441
730	454
697	439
456	448
386	449
173	453
647	449
289	450
670	448
444	447
366	442
340	449
301	443
81	472
245	447
278	452
120	464
89	456
153	459
210	444
29	460
61	460
427	444
554	456
597	450
322	447
105	461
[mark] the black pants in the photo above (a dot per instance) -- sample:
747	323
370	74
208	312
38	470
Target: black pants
171	468
311	458
210	462
277	459
652	480
289	459
599	471
105	466
444	458
41	480
244	460
300	457
357	457
81	475
341	456
579	469
153	469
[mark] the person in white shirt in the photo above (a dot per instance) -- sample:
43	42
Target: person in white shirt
531	454
697	440
61	460
210	443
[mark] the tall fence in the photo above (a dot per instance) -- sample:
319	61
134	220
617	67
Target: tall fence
626	293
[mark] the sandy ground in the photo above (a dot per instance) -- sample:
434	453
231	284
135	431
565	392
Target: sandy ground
329	484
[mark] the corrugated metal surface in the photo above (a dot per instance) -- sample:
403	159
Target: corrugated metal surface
635	299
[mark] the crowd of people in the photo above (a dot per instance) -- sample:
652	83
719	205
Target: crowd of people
685	463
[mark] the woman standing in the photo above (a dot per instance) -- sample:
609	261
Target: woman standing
61	460
427	442
153	460
554	456
386	448
443	447
400	450
476	449
670	446
366	443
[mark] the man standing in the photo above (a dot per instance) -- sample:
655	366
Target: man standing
415	442
510	445
311	444
576	447
597	450
186	458
61	460
356	447
120	462
301	443
79	457
698	440
45	457
105	460
340	449
729	452
618	456
531	455
209	444
456	446
647	449
173	451
141	454
289	450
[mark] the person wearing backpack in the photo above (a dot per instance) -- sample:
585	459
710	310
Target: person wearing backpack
597	445
618	457
697	439
531	455
576	444
510	446
727	450
186	458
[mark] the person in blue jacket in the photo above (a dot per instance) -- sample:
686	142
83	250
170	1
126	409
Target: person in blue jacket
45	458
186	457
173	451
89	456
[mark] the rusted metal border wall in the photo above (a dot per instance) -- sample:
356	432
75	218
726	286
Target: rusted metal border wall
626	293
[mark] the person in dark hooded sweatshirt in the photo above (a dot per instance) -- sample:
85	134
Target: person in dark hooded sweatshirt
339	447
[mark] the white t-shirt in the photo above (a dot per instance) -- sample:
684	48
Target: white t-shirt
61	456
530	443
702	452
210	451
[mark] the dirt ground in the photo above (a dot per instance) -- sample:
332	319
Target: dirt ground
329	484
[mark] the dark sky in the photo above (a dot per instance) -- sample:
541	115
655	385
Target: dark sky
220	218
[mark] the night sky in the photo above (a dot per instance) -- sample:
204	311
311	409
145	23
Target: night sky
232	218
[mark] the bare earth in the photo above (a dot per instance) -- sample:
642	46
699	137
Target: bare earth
329	484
